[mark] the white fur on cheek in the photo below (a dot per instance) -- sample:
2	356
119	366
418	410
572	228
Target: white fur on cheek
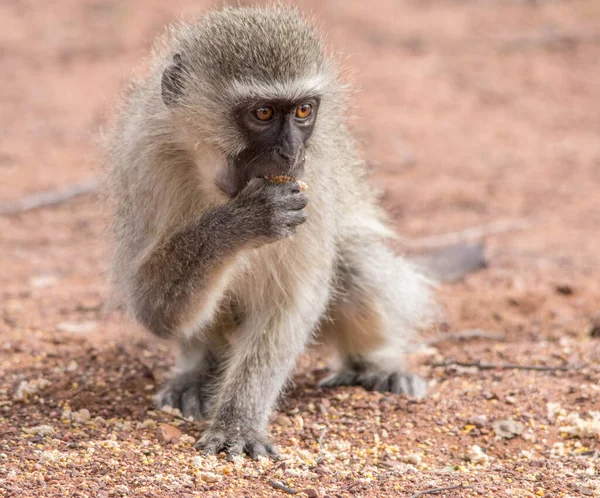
210	164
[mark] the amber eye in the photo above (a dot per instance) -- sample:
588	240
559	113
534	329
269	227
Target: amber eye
264	113
303	111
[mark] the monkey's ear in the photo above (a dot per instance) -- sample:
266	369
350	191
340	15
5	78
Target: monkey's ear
172	81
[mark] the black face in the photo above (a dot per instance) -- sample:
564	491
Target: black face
276	133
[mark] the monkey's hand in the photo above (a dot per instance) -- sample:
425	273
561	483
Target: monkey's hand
235	439
270	211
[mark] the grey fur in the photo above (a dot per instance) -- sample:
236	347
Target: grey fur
244	284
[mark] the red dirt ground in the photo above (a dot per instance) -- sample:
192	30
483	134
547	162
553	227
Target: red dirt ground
470	112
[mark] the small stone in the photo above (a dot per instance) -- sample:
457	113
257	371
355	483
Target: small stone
168	434
122	489
478	421
27	388
210	477
42	281
77	327
311	493
283	421
39	430
81	417
508	428
185	439
586	491
510	400
564	289
412	458
477	456
146	424
299	422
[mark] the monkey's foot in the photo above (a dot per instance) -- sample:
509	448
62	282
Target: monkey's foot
393	382
187	392
235	440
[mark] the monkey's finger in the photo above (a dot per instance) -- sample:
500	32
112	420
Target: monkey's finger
295	187
234	448
295	218
254	185
255	450
296	201
211	444
272	452
393	383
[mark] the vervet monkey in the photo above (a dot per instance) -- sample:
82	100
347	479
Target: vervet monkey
242	271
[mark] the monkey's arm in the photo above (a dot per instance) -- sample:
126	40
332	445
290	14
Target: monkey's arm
189	265
178	284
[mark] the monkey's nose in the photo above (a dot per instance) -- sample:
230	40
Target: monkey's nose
283	154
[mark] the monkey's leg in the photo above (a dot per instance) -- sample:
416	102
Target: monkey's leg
190	387
256	371
199	365
381	302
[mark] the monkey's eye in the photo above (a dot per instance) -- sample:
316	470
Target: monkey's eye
264	113
303	111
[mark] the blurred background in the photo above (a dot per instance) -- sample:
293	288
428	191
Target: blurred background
479	114
470	113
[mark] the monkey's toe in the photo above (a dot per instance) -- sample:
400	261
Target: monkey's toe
186	393
216	440
393	382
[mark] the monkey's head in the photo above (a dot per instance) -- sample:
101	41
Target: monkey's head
250	84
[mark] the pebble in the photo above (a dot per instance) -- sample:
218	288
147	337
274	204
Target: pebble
210	477
39	430
476	455
283	421
478	421
77	327
412	458
42	281
81	417
27	388
508	428
168	434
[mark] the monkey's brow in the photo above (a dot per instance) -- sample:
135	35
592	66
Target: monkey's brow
293	91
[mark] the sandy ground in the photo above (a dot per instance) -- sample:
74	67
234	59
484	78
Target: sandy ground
470	112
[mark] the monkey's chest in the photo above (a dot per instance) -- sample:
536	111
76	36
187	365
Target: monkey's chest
290	275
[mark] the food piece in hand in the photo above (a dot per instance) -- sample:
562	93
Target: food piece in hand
286	179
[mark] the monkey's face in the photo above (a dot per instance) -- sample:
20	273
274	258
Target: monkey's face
275	136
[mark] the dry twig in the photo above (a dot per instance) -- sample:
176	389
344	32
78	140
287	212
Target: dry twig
179	417
49	198
495	366
465	335
469	234
282	487
434	491
320	440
